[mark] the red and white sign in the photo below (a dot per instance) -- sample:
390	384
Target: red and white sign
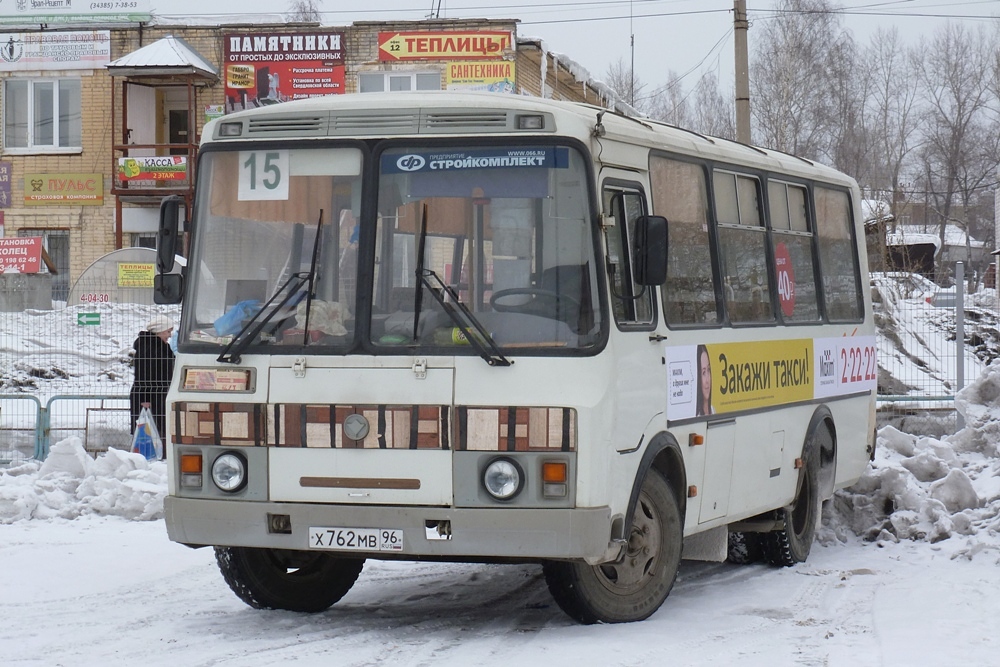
20	254
786	279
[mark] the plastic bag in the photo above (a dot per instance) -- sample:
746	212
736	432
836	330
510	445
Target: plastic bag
146	440
233	320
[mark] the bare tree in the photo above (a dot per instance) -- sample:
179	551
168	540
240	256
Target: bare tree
890	115
800	81
958	155
669	102
303	11
712	113
621	79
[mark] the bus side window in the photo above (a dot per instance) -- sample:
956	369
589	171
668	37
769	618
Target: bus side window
630	302
743	247
837	259
792	245
680	194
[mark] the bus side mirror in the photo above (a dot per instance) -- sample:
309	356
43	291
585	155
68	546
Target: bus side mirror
166	237
168	288
650	253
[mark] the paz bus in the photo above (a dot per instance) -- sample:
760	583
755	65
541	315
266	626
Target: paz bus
479	327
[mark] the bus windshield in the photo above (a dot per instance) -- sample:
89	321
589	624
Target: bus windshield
503	233
492	243
257	256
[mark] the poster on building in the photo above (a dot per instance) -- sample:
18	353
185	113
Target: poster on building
155	168
63	189
136	274
6	169
268	68
444	45
85	49
493	76
21	254
213	111
51	12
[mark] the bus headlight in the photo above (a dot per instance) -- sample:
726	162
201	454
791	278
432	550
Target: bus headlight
229	472
503	478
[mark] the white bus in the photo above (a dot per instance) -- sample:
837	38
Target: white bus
484	327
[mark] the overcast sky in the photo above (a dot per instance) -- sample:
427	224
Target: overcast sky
691	37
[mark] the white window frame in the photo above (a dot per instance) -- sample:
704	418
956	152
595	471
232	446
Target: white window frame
31	147
388	75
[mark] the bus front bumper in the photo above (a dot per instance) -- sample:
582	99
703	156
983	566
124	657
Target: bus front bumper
439	532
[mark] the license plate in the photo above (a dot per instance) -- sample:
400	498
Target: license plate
355	539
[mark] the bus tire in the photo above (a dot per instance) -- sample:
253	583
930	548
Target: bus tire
745	548
635	586
791	545
286	579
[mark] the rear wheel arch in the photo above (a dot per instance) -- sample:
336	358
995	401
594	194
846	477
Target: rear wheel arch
822	433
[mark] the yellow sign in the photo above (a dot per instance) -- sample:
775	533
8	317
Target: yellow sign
135	274
443	45
493	76
759	374
63	189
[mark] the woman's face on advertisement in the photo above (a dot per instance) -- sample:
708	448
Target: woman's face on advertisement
706	374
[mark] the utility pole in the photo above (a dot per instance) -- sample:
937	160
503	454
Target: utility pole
740	26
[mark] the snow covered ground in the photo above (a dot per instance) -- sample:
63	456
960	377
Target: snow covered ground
904	571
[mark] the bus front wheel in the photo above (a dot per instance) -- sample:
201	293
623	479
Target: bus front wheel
635	586
285	579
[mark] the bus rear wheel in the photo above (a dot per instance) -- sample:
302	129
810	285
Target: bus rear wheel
635	586
792	544
286	579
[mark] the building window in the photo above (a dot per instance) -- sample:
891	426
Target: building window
42	114
377	82
144	241
56	245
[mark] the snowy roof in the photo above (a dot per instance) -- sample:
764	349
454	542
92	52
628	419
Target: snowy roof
917	234
874	210
167	56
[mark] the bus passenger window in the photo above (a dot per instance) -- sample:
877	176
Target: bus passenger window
680	194
792	244
837	260
743	247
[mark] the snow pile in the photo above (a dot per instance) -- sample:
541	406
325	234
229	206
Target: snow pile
69	483
922	488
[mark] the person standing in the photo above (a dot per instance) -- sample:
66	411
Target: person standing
153	364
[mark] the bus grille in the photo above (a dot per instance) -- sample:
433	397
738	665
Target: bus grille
390	426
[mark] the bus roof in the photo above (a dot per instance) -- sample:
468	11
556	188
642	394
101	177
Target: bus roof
451	113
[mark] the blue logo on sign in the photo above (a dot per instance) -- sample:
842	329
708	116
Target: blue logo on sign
410	162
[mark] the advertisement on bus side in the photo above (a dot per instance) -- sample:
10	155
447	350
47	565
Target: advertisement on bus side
728	377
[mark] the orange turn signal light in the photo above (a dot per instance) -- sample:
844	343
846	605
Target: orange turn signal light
554	472
191	463
695	439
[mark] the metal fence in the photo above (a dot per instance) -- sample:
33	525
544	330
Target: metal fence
932	341
66	370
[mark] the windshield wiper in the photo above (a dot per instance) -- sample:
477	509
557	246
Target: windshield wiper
246	335
493	356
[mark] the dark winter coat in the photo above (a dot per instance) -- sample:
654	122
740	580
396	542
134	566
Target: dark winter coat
153	365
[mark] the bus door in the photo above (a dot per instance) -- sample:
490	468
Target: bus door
640	385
